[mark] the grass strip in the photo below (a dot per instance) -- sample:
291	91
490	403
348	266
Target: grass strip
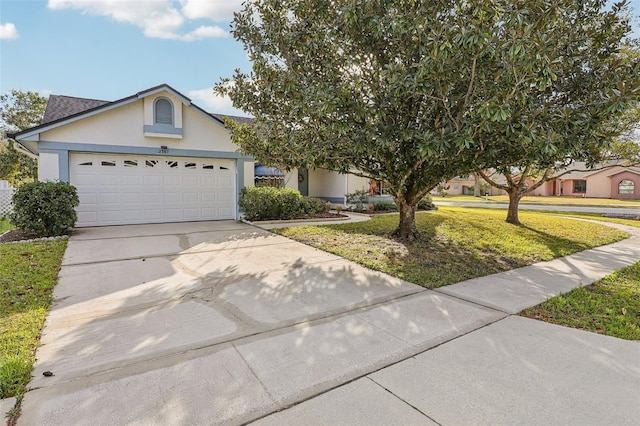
28	274
457	244
609	306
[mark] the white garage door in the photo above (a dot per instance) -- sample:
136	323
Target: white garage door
127	189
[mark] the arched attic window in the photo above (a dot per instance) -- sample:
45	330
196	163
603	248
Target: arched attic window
163	112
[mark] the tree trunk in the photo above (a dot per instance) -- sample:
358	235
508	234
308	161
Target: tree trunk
477	190
407	227
514	201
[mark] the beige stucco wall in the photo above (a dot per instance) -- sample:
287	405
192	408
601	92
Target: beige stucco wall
124	125
326	184
356	183
48	167
249	173
291	179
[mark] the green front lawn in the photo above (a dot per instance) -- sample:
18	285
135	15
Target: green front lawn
457	244
610	306
5	225
28	274
551	200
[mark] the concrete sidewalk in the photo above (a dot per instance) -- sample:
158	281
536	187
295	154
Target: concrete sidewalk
223	323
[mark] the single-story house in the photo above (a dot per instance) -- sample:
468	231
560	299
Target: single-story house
154	157
605	181
464	185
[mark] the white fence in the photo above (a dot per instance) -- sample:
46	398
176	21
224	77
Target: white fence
6	193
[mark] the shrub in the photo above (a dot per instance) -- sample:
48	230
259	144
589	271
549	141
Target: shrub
45	208
357	200
311	205
268	203
427	204
385	206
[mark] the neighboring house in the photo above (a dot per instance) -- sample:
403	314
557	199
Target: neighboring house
610	181
154	157
464	185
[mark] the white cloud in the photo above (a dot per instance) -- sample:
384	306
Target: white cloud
215	10
8	31
157	18
214	103
205	32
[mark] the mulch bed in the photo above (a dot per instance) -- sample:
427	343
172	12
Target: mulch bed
17	235
324	215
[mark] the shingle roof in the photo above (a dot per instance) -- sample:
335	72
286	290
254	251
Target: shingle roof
581	171
60	106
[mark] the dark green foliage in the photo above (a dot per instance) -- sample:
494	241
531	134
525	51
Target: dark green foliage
18	111
312	205
414	93
385	206
427	204
268	203
357	200
15	166
45	208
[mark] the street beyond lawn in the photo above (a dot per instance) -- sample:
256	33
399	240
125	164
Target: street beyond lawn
458	244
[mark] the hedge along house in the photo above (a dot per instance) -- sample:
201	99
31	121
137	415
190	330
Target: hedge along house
153	157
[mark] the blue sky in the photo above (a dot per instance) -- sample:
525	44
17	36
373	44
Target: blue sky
110	49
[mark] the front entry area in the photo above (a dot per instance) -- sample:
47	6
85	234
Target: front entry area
120	189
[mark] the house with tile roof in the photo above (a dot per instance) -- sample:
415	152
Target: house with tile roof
154	157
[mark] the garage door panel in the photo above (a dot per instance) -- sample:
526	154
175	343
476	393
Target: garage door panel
172	197
108	179
191	197
225	212
172	213
153	197
150	180
132	197
131	180
170	181
87	217
121	189
225	196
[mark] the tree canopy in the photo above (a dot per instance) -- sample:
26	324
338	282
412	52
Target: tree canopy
415	92
18	111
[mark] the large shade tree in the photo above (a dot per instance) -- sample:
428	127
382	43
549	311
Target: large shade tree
410	92
585	116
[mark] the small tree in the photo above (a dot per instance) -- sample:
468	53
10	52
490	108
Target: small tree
18	111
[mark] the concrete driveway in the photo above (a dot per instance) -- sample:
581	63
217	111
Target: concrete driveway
214	322
224	323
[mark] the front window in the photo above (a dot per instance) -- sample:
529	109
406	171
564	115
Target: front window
626	187
377	187
268	176
580	186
